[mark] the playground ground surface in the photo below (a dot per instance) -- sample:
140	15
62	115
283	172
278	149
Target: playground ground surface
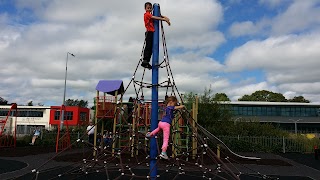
17	163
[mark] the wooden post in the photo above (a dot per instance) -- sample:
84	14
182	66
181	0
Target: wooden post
95	123
195	132
218	151
114	120
103	120
174	151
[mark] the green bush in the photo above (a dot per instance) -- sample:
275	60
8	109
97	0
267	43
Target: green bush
24	141
246	146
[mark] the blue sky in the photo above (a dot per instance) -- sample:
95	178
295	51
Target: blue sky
233	46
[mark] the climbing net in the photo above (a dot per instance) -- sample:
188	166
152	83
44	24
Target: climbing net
194	152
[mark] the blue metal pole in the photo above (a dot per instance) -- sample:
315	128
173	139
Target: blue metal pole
154	104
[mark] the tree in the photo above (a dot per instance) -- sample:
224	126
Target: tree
214	116
220	97
299	99
264	95
30	103
206	97
72	102
188	98
3	101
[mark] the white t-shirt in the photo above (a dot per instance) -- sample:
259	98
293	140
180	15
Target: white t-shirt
90	129
36	132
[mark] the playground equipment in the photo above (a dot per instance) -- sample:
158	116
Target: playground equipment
106	106
192	153
8	126
128	153
63	135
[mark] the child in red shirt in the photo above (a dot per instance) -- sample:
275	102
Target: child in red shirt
148	22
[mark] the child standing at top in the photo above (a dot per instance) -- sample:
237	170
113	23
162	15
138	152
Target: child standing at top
148	22
165	124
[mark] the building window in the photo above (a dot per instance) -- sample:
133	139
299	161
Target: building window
3	113
263	111
83	116
57	115
29	113
28	129
257	111
269	111
68	115
25	113
298	112
235	110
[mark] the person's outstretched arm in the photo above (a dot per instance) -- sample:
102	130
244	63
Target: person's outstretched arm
179	107
165	17
162	18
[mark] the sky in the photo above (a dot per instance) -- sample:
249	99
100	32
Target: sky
235	47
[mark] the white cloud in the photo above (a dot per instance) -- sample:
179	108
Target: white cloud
277	54
300	16
300	88
242	28
238	91
290	94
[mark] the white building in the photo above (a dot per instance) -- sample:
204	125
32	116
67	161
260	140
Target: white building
28	117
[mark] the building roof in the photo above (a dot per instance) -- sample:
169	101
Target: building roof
24	107
110	86
269	103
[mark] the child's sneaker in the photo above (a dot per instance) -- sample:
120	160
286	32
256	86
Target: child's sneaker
164	155
145	64
148	135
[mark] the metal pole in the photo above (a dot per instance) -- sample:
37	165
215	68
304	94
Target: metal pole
64	92
283	145
295	125
154	104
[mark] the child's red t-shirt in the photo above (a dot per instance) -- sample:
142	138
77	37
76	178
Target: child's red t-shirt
148	21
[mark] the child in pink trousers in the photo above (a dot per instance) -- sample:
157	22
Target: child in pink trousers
165	124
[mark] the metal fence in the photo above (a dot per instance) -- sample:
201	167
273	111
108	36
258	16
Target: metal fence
270	144
235	143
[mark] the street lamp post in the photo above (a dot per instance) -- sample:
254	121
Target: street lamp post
65	89
295	125
234	121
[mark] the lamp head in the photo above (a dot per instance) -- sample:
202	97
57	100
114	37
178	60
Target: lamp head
72	54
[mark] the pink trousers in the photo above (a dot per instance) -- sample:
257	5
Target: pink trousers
165	127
